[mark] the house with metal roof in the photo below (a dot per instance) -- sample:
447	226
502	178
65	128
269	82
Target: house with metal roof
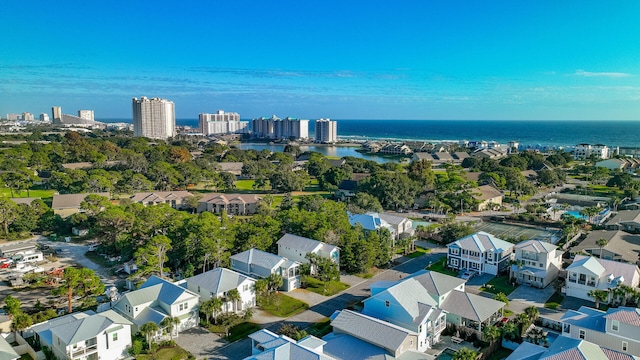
297	247
408	304
217	282
588	273
620	246
481	252
537	263
438	285
260	264
157	299
266	345
616	329
7	352
86	335
564	348
352	328
398	226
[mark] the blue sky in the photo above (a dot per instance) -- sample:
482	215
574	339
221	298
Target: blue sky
340	59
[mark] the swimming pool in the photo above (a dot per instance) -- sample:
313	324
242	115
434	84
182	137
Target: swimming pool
551	337
446	354
575	214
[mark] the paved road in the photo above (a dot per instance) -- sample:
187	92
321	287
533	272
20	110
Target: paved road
353	295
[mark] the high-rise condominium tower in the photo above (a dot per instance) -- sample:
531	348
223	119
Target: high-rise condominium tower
86	114
56	112
153	118
326	131
222	123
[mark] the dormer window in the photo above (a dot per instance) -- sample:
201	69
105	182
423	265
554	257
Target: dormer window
387	303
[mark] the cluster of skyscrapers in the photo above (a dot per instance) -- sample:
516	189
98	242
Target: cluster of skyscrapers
155	118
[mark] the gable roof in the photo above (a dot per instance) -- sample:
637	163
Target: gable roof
627	273
87	327
161	196
6	351
219	198
625	315
280	347
218	280
305	245
410	295
436	283
566	348
537	246
623	244
72	201
389	218
471	306
156	288
487	192
369	221
370	329
259	258
624	216
482	241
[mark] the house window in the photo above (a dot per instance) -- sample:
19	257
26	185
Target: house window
455	251
245	287
581	334
115	336
615	325
387	303
454	262
625	346
420	329
198	288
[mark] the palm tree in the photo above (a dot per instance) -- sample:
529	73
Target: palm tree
536	336
233	295
465	354
211	308
598	296
524	322
510	331
147	329
20	322
602	242
491	333
501	297
170	322
532	313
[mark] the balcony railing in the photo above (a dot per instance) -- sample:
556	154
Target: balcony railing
84	351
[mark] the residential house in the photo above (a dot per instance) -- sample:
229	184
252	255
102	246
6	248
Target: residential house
407	304
218	282
620	246
90	336
6	350
260	264
481	252
398	226
472	311
627	220
537	263
68	204
616	329
233	204
175	199
588	273
77	166
347	188
268	345
494	153
438	285
488	197
359	336
297	247
234	168
564	348
395	149
157	299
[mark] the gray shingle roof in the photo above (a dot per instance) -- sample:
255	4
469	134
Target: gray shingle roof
482	241
371	330
629	273
259	258
436	283
536	246
71	201
159	196
410	295
218	280
470	306
305	245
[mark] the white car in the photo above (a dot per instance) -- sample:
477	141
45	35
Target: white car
467	274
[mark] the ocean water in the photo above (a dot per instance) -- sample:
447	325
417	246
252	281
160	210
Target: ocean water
526	132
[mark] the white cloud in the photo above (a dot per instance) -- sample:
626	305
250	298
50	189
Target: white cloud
601	74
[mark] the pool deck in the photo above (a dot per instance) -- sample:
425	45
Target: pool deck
446	342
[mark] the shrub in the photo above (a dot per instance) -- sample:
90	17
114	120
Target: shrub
136	347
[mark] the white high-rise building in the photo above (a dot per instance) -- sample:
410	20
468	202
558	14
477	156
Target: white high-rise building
44	117
13	117
276	128
222	123
27	116
56	114
326	131
154	118
86	114
584	151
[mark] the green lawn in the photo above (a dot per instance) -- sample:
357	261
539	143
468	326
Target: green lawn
241	331
499	284
321	328
327	289
244	184
440	266
554	301
284	306
44	194
418	252
176	353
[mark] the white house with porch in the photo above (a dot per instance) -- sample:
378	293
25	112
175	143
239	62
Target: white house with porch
537	263
218	282
481	252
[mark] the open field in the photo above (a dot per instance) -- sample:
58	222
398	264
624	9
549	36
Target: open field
44	194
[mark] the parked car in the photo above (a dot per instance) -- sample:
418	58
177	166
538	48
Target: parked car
467	274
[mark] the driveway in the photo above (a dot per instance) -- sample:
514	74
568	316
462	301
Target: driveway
199	342
535	296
